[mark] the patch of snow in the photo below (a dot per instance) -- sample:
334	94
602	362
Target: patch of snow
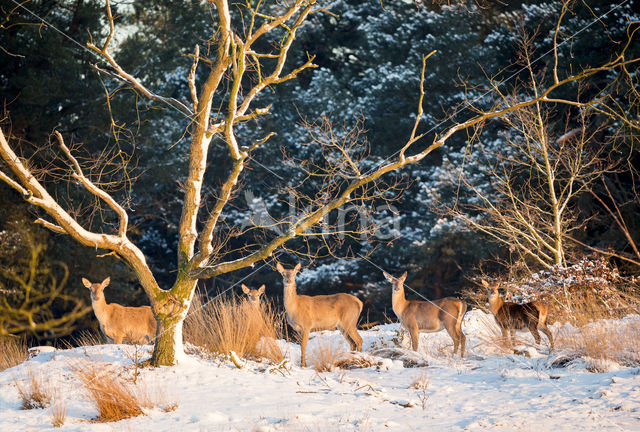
486	389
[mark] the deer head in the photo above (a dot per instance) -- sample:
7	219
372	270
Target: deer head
97	289
288	276
492	288
397	283
253	295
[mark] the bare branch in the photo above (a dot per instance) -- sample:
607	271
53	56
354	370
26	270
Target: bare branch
95	190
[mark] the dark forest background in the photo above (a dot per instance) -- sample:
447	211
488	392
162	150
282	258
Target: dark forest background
369	57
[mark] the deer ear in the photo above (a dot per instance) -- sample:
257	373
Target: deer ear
279	267
245	289
86	283
106	282
298	267
387	276
403	277
261	289
485	283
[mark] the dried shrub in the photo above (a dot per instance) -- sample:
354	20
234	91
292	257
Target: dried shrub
225	325
590	289
35	393
600	342
326	354
12	352
113	397
421	382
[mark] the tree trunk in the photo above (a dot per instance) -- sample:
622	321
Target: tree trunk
170	310
168	349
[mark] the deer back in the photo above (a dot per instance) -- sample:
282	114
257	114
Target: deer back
133	324
324	312
518	316
433	315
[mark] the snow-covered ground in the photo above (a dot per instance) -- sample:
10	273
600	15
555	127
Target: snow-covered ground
487	390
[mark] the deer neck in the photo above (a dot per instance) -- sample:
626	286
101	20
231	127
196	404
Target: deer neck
495	303
290	296
398	301
100	308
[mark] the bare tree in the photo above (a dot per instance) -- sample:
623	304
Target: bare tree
200	254
540	169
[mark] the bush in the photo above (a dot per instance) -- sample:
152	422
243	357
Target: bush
588	290
224	325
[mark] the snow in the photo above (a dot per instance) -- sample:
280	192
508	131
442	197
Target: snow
488	389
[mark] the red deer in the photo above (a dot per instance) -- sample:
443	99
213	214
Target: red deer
322	312
416	315
512	316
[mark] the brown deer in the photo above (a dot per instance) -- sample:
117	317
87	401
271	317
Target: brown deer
120	323
322	312
253	295
513	316
433	316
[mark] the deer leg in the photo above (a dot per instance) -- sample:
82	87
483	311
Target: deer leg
534	331
505	337
117	340
357	339
463	341
453	333
348	338
304	338
512	339
413	331
546	331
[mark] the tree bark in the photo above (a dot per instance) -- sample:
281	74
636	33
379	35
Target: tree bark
170	309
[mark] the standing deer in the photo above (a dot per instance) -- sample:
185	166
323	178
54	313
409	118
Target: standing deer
133	324
322	312
253	295
512	316
433	316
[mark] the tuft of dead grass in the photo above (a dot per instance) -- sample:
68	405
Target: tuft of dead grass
88	338
113	397
421	384
356	361
226	324
35	393
12	352
58	412
601	342
327	354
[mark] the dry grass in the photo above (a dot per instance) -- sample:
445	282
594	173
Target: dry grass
88	338
35	393
600	342
327	354
113	397
356	361
421	384
225	325
490	335
58	412
12	352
